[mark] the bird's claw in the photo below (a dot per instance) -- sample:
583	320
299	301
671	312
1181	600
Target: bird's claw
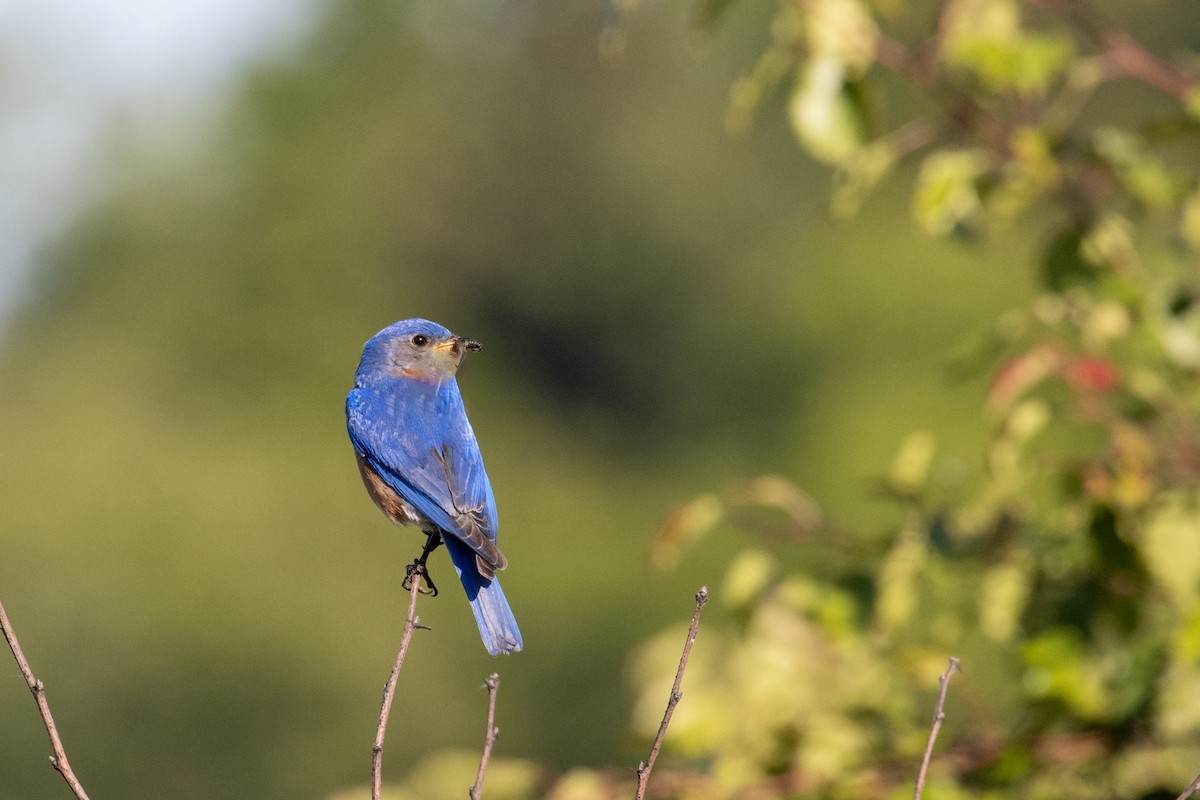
418	568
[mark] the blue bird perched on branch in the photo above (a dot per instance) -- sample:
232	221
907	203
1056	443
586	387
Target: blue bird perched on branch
421	464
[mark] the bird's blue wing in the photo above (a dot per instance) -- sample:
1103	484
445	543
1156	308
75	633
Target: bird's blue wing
430	457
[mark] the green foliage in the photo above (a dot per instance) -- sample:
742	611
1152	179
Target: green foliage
986	42
1065	570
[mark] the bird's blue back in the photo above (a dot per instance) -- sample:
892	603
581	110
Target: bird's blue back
400	426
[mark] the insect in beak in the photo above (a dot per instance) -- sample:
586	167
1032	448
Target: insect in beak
455	345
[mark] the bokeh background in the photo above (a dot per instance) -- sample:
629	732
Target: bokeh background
210	211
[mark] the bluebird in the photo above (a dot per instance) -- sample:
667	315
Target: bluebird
421	464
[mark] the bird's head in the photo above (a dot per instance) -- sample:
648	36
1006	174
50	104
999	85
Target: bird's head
415	348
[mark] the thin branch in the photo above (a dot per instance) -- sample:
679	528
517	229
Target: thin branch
493	686
1190	790
1126	53
1140	64
411	623
963	111
939	714
643	770
59	759
896	57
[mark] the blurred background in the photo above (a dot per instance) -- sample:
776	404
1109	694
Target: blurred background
209	207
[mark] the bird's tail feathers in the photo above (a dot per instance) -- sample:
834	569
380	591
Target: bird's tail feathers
497	625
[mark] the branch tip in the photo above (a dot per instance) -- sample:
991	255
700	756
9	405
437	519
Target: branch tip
1190	790
492	682
59	758
939	716
644	767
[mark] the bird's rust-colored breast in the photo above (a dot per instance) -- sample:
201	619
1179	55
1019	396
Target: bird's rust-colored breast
389	501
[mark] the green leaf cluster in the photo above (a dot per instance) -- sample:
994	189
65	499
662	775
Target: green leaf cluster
1062	564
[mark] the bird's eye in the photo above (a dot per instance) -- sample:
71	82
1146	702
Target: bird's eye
419	340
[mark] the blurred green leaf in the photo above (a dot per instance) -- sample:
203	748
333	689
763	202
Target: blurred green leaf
1168	546
985	37
899	590
581	784
1109	242
1189	220
841	31
1191	102
910	469
445	775
1056	668
1027	65
746	578
824	113
683	526
1003	596
1145	176
946	198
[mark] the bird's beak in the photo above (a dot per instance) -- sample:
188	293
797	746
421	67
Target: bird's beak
455	346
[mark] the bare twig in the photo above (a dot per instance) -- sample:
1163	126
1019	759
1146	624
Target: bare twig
643	770
939	714
493	686
59	759
918	67
1126	53
1190	790
1140	64
411	623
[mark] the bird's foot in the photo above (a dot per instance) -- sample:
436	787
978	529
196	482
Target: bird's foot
418	568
